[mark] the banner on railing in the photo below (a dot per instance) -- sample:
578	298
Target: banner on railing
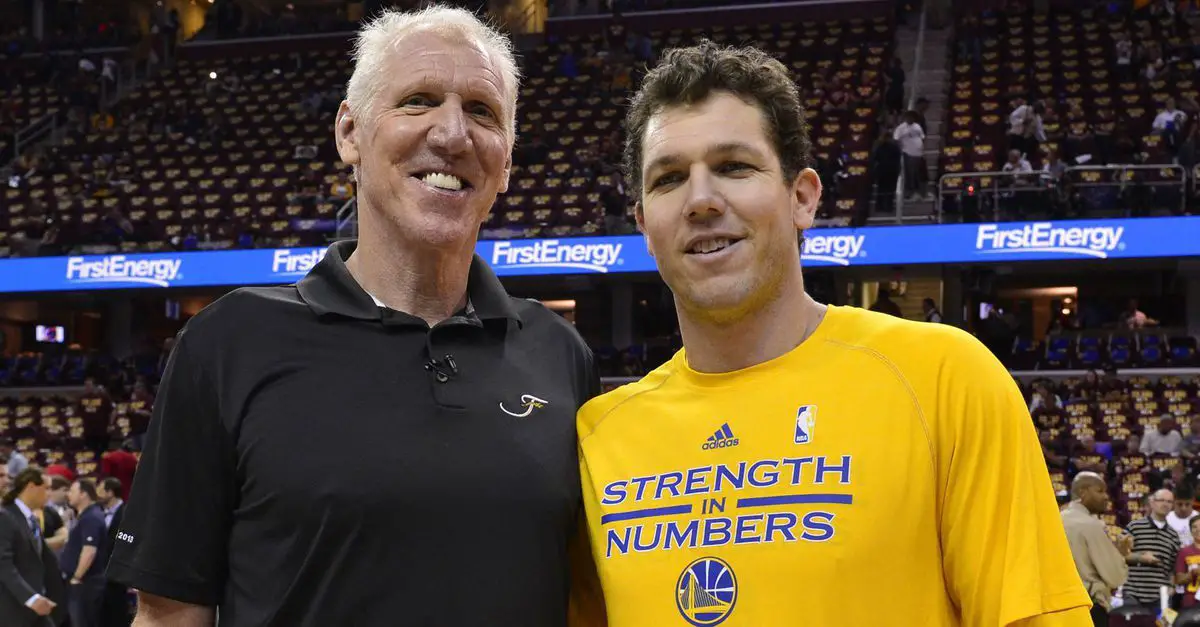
1004	242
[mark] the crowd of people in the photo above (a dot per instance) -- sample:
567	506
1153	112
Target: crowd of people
1045	136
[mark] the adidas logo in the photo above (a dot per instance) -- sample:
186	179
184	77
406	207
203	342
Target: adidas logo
723	438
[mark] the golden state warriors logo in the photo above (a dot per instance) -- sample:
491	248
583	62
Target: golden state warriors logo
529	403
706	592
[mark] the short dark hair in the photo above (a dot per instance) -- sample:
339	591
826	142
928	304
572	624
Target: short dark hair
112	485
88	487
31	475
58	482
690	75
1192	520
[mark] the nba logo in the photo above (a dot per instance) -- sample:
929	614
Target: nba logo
806	419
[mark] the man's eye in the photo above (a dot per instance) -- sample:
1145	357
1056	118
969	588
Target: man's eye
734	166
417	101
665	179
483	110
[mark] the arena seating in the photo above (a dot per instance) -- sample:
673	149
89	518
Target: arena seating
48	430
1097	107
247	167
1114	411
1095	349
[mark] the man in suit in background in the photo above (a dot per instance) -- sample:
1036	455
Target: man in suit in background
32	593
115	610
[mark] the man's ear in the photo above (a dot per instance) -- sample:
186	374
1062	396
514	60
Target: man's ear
345	135
639	215
806	197
504	176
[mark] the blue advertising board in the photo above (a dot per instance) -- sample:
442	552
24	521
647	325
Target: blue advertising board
1003	242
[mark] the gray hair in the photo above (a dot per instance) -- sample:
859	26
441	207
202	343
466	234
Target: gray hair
377	39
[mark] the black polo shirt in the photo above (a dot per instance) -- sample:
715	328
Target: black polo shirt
304	468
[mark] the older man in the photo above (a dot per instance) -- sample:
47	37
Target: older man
391	440
1100	562
1155	547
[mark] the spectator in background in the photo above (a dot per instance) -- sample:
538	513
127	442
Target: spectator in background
5	478
16	461
60	469
95	408
1155	549
1134	318
54	526
1187	564
141	403
114	610
82	561
911	140
57	500
920	108
341	190
30	589
121	465
1019	123
885	304
931	311
1100	562
1180	516
616	207
1191	442
1165	440
1043	398
886	159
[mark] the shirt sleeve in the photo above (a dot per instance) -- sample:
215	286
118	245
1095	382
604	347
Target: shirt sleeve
92	531
1109	562
173	536
1005	552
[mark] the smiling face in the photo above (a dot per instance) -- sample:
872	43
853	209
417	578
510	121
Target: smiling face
435	146
718	216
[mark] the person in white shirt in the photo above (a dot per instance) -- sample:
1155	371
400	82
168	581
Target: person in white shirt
1180	517
1043	398
1166	440
1170	119
1019	122
911	139
1013	201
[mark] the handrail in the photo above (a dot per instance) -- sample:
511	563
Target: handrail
36	131
347	220
1116	169
913	81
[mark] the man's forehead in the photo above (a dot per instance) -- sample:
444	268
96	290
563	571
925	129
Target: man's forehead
425	52
710	126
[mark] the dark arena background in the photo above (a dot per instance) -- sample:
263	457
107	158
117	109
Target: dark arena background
1024	170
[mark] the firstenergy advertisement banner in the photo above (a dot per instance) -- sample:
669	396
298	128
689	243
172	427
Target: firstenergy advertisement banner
1003	242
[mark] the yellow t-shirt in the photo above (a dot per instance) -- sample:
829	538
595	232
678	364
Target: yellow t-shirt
884	470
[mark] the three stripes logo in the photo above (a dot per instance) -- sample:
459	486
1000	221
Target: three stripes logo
723	438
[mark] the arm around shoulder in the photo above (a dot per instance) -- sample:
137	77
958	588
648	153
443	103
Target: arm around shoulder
156	611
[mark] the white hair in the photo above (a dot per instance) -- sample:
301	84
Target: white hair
377	39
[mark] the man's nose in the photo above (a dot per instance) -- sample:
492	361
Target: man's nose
449	133
703	200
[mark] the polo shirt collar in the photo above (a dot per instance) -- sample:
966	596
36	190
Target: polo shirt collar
329	288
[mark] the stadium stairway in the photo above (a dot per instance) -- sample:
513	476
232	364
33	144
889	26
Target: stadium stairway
40	134
927	76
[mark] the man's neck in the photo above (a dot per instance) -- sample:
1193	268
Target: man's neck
428	283
1156	518
778	327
